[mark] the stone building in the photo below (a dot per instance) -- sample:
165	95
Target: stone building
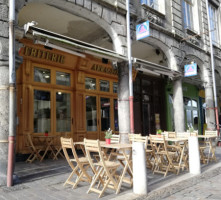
72	73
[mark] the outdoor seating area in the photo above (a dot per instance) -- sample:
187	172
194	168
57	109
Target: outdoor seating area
105	166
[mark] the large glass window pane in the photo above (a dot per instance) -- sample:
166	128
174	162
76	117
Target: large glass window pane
105	113
115	87
63	79
195	119
189	117
63	112
104	86
90	83
91	113
42	111
214	24
42	75
116	125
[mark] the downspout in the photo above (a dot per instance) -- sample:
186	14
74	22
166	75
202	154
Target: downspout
11	137
213	68
130	68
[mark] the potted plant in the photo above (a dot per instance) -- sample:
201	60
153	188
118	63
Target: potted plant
46	132
108	136
159	131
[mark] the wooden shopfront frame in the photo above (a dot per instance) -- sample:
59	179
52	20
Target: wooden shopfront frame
79	68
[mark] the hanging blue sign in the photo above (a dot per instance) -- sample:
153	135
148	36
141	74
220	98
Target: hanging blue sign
190	70
143	30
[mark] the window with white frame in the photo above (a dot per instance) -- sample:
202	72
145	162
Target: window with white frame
190	12
214	24
187	7
158	5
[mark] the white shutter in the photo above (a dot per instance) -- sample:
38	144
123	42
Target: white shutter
195	16
161	4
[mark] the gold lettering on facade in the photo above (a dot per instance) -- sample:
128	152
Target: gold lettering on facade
100	68
41	54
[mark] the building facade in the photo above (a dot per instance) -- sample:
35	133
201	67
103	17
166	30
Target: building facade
72	73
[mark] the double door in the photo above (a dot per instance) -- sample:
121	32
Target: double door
52	111
101	114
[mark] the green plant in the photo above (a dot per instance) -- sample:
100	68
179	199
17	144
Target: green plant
46	131
108	134
159	131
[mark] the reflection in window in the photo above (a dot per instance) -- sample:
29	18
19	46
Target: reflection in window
194	103
214	24
63	112
116	126
187	101
42	75
189	117
91	113
42	111
63	79
146	86
90	83
187	14
115	87
195	119
105	113
104	86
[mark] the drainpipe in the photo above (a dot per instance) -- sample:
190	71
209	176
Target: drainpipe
11	137
213	68
130	68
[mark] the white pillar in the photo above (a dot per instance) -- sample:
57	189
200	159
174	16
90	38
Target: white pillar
139	168
194	155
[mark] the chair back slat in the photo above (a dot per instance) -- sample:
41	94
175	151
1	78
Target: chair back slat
183	134
210	133
115	139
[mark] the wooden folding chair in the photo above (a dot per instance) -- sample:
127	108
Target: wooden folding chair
104	171
210	144
58	147
149	151
164	159
81	167
35	150
113	154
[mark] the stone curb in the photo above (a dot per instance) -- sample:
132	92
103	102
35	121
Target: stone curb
176	187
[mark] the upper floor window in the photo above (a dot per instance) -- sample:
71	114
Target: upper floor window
158	5
214	24
190	12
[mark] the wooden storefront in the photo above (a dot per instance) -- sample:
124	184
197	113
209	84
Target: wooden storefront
63	93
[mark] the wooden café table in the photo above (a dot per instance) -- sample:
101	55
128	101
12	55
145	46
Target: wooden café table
47	141
123	148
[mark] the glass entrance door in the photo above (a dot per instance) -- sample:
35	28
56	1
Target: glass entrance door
52	111
101	114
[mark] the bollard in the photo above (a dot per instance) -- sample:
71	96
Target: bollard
139	168
194	155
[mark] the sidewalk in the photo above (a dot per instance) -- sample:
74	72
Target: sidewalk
45	181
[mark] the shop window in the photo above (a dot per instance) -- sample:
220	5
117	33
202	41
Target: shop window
194	103
105	113
91	113
63	112
104	86
187	101
42	111
90	83
42	75
115	87
146	86
63	79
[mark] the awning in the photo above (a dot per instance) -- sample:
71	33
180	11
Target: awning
77	47
155	69
70	45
